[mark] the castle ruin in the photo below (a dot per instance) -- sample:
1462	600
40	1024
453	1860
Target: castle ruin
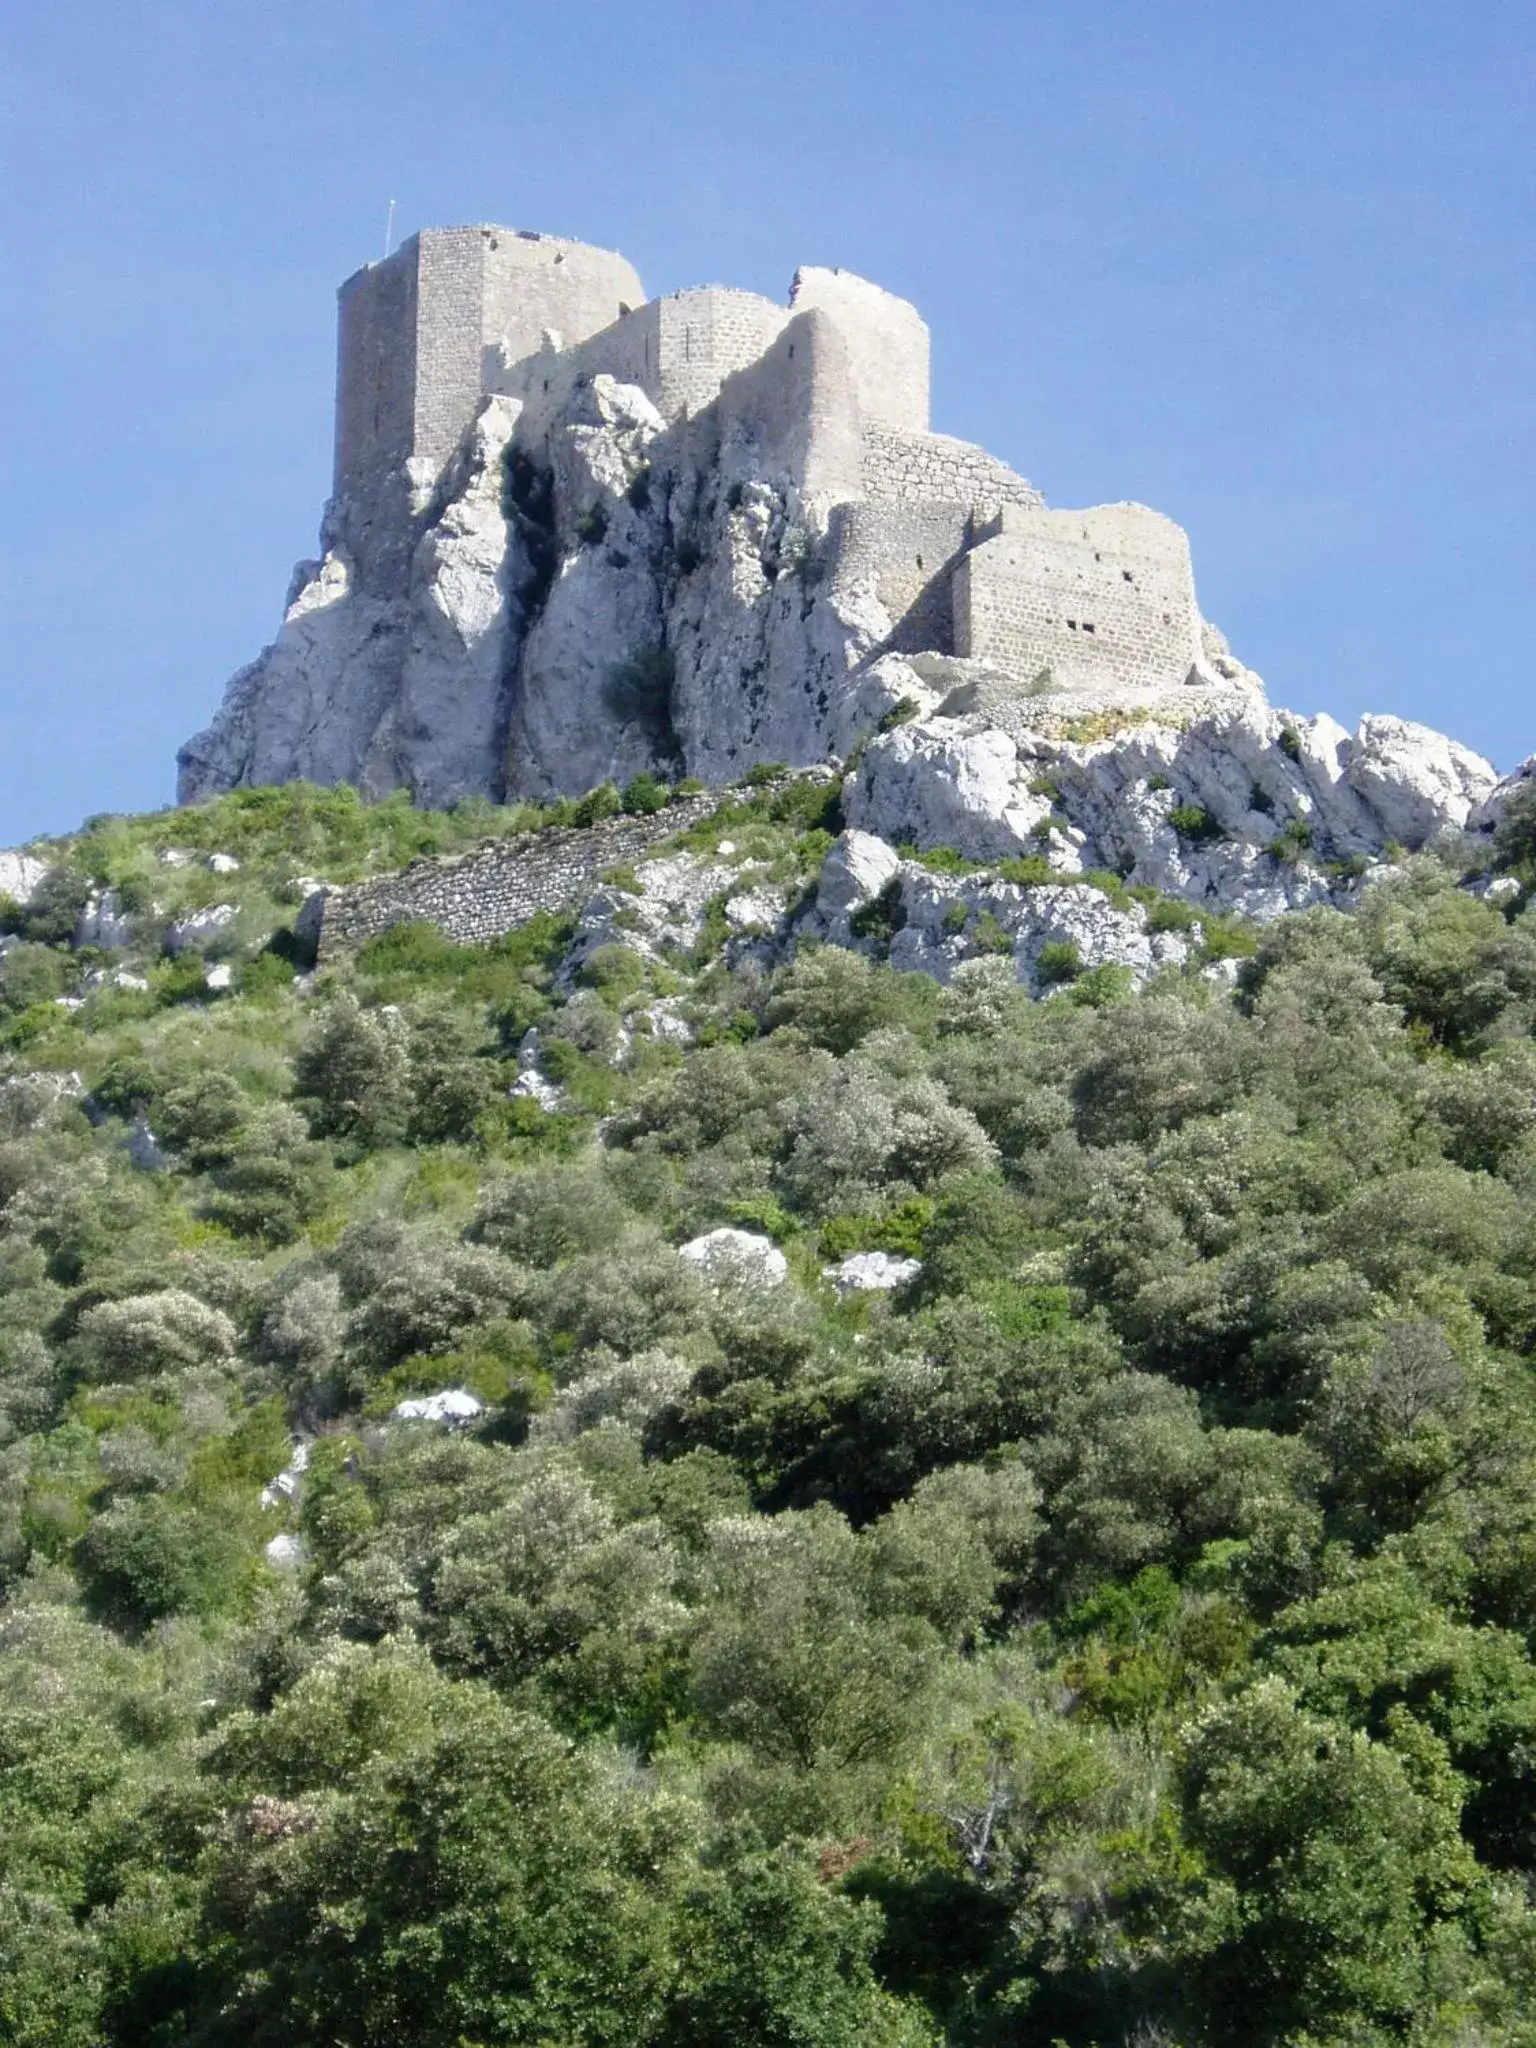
808	421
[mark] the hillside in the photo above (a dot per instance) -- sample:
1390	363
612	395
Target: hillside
1064	1570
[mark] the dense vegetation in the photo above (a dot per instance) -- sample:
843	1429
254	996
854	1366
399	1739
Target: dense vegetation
1124	1635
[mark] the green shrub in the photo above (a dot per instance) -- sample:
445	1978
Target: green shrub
883	917
1194	824
1291	842
1289	743
988	936
958	916
145	1559
644	795
1026	871
639	692
1058	960
597	806
617	971
1171	914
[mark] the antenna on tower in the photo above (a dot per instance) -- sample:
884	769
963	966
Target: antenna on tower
389	229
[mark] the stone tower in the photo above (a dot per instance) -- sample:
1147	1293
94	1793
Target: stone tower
416	332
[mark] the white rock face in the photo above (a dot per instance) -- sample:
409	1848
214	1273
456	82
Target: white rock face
532	1083
873	1273
103	923
223	864
453	1405
951	919
947	783
854	872
1414	780
286	1485
1255	776
736	1258
144	1148
1488	813
198	928
285	1552
647	611
20	874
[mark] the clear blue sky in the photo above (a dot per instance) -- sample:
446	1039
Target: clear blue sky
1265	267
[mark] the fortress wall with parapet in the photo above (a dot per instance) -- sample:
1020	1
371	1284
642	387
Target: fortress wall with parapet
794	413
629	350
887	343
907	555
375	370
480	895
1102	595
900	467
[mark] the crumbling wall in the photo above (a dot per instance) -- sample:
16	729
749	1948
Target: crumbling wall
900	467
480	895
887	343
1101	596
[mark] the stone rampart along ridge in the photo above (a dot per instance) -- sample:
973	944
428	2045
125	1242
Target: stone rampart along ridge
576	533
481	895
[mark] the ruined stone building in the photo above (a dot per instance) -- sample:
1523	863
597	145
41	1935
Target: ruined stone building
576	532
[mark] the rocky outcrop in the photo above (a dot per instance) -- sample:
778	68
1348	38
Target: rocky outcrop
1247	809
579	598
395	676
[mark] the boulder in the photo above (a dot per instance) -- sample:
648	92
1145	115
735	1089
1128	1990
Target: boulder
103	923
946	784
736	1258
453	1405
198	928
873	1273
857	867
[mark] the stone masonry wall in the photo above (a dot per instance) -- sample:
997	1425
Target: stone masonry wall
450	297
375	371
1105	595
481	895
900	467
706	335
794	414
907	555
540	285
887	343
